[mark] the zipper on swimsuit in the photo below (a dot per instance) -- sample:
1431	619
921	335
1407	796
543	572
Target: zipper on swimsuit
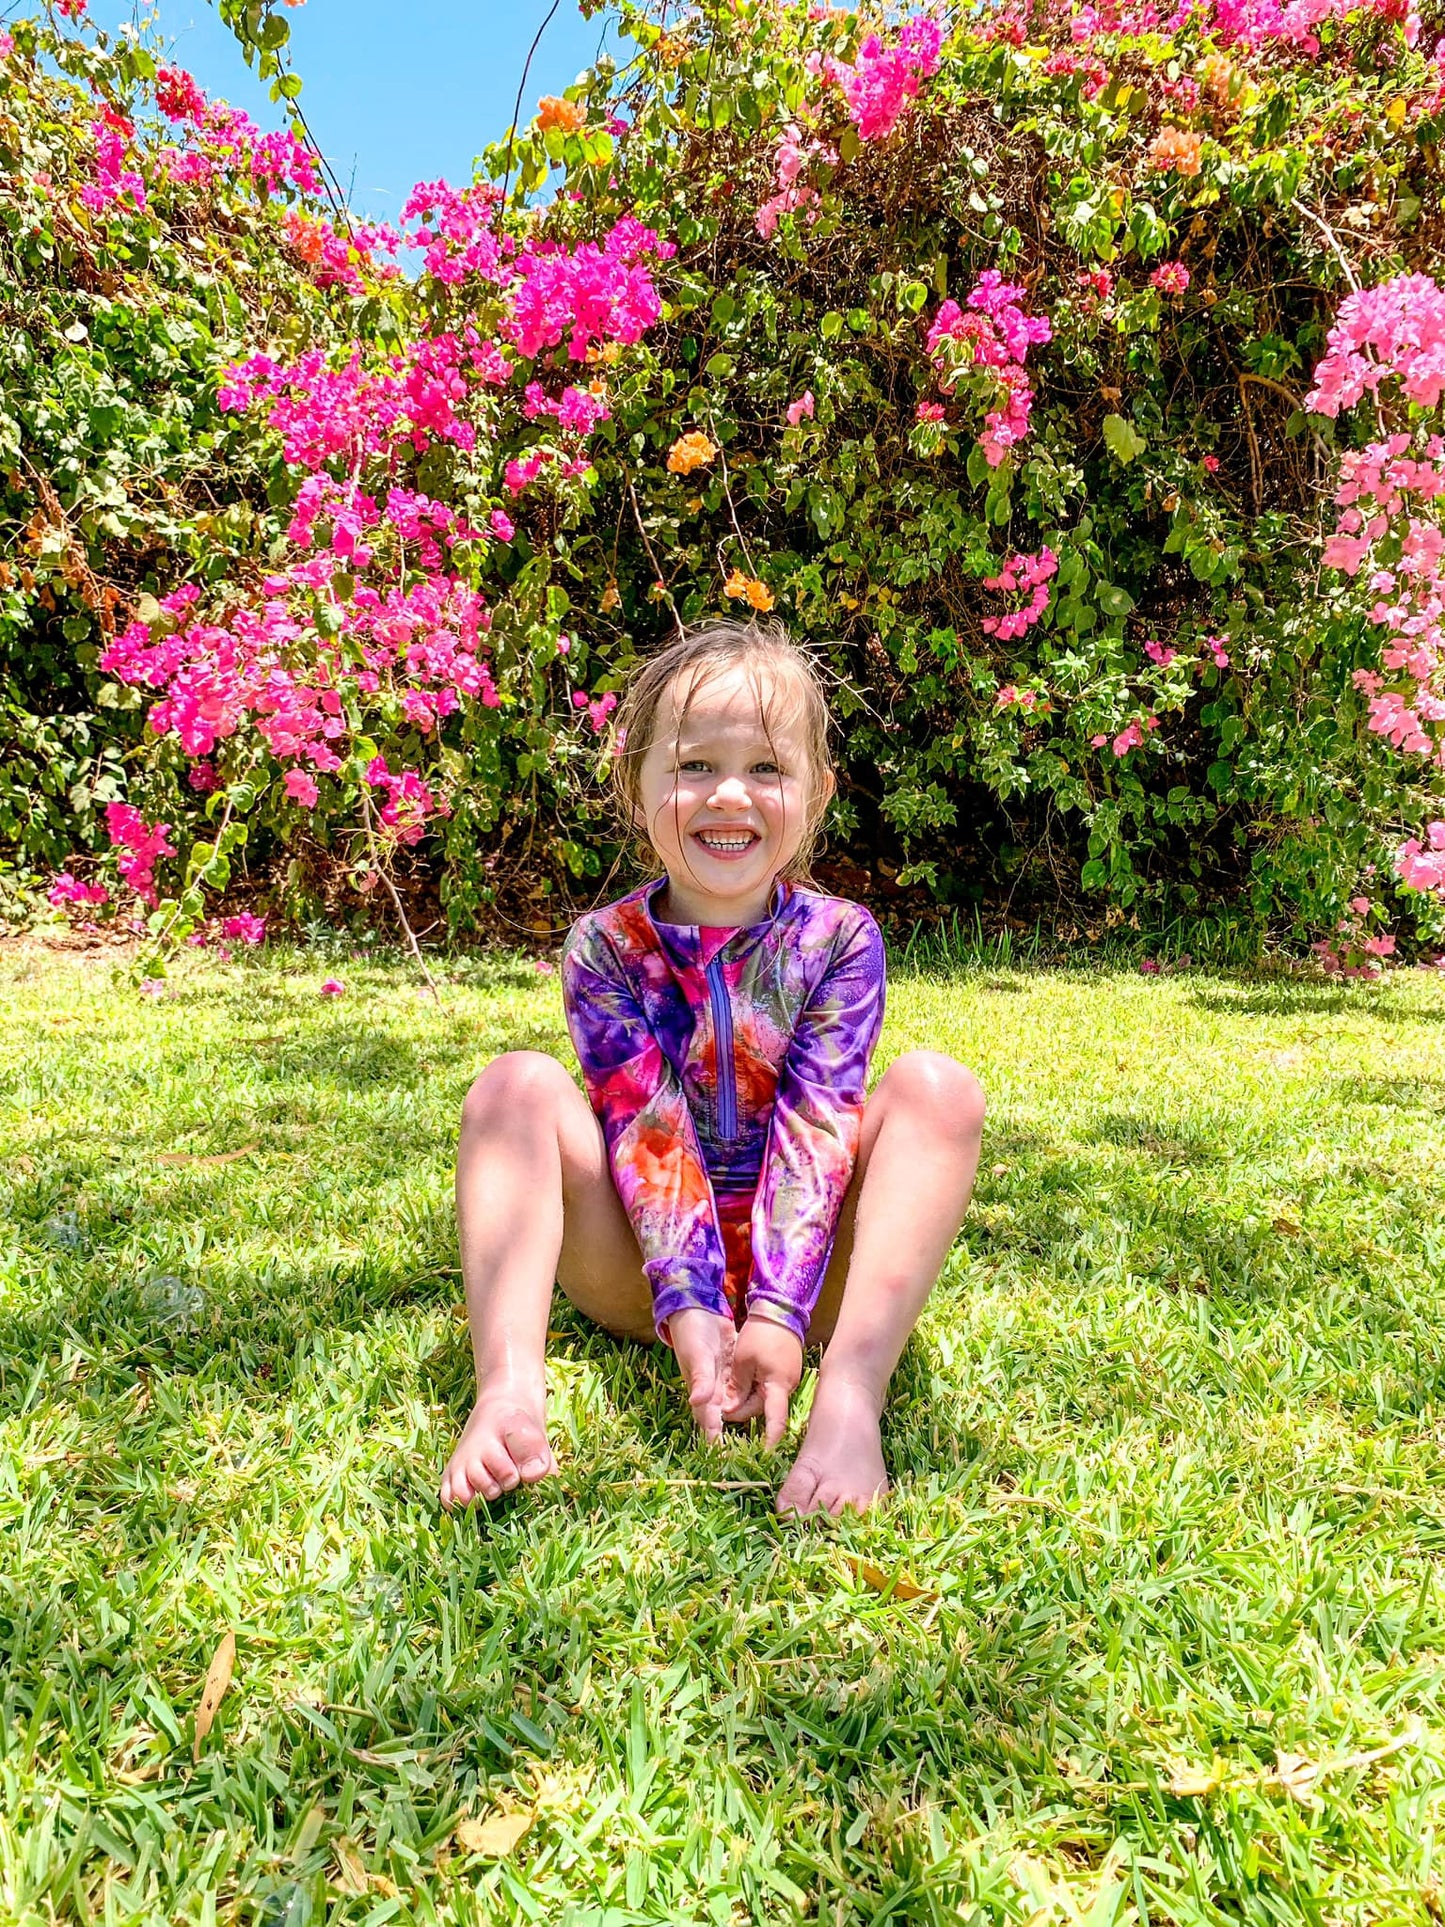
722	1022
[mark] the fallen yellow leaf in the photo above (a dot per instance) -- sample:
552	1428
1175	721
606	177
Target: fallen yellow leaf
1193	1782
899	1584
218	1678
496	1835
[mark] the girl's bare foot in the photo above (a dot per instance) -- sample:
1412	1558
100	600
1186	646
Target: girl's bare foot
503	1445
841	1463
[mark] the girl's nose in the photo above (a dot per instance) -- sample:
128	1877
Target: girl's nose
731	794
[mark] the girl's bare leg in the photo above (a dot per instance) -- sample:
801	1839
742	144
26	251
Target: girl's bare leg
535	1204
916	1162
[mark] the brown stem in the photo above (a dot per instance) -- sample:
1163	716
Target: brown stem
1256	471
385	875
656	566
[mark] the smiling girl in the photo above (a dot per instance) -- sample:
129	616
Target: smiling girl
730	1188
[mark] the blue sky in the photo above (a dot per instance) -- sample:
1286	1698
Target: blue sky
394	94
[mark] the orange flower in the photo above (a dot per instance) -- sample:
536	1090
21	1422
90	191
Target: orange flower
689	452
553	111
747	588
1174	148
1221	81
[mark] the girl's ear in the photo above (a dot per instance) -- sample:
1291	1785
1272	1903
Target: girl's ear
830	787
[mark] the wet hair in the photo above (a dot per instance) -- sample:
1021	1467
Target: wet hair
788	687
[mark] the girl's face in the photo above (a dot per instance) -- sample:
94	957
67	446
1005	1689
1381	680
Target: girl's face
724	797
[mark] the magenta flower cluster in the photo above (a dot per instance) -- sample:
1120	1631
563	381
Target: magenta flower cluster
1388	342
1030	576
992	332
373	623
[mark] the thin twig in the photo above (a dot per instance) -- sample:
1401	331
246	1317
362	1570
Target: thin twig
1334	240
1295	401
521	89
1256	470
385	876
728	493
656	566
710	1485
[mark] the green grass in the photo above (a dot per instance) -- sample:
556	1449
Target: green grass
1167	1446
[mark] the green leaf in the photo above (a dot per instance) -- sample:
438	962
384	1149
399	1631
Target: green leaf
1124	440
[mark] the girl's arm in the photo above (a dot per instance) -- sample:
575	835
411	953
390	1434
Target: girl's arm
813	1137
652	1146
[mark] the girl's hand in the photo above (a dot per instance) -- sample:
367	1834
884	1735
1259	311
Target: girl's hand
767	1364
704	1343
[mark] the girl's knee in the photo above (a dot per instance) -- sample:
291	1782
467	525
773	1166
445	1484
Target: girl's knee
938	1089
518	1083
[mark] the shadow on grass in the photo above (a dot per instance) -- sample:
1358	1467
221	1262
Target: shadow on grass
1271	997
1161	1141
1395	1093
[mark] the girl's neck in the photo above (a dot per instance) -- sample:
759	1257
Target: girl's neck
683	904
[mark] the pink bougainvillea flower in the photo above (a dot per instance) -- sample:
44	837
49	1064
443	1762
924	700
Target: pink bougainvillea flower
1026	574
244	928
1210	464
301	788
543	968
333	987
1150	967
152	986
1171	278
801	409
1097	742
66	889
1360	906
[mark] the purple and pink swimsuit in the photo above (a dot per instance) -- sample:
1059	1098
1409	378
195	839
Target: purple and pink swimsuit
728	1070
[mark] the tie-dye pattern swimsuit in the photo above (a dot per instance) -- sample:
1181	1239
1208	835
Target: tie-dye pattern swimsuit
728	1070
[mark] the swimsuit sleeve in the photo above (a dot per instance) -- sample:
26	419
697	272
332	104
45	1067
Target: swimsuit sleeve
652	1146
813	1136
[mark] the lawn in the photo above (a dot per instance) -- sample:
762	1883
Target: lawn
1169	1642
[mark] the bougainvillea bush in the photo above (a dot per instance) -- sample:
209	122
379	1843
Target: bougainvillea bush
1068	374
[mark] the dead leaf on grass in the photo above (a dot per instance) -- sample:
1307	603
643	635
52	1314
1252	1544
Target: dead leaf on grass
218	1678
219	1157
1193	1782
898	1584
496	1835
1287	1227
351	1875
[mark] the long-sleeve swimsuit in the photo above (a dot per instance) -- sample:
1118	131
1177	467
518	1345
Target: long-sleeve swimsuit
728	1070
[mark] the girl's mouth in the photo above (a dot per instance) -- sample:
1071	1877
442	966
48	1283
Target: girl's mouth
728	845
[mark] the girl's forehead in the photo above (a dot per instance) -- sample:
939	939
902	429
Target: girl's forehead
746	696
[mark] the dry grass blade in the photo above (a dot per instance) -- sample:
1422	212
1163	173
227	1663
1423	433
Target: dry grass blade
218	1678
219	1157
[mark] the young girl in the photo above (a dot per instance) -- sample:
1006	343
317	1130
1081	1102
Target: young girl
730	1189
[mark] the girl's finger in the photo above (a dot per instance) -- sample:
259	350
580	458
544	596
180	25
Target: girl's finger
741	1399
775	1411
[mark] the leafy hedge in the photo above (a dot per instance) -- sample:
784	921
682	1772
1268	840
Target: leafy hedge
979	349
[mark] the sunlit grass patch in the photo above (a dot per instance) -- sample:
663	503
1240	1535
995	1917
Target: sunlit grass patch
1167	1452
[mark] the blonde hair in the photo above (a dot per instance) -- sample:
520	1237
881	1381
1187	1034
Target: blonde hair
701	652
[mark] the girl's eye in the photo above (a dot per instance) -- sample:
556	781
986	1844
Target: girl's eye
766	769
693	763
